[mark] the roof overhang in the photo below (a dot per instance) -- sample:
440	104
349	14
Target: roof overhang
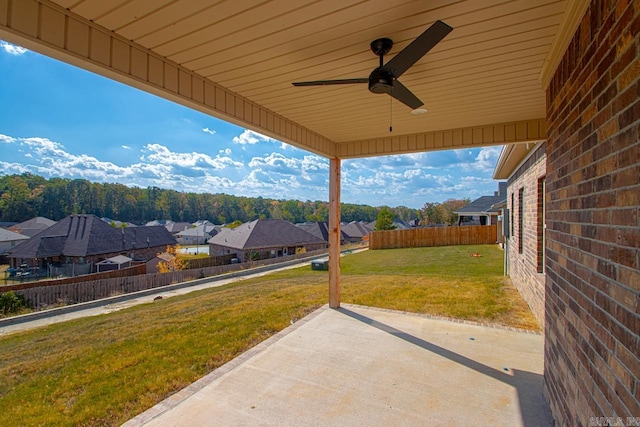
512	156
483	85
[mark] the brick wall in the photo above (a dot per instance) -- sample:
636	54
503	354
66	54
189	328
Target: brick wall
524	269
592	343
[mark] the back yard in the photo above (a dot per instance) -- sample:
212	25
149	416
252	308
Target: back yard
106	369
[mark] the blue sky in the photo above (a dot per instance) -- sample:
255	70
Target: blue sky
60	121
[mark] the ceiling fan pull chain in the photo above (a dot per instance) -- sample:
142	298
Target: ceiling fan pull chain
391	113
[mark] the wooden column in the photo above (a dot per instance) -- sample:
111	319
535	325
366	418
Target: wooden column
334	233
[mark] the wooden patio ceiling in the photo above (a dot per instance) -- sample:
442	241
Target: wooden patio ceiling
484	84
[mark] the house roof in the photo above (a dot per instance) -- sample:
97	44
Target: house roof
481	206
319	229
237	60
357	229
511	157
196	231
264	233
84	235
177	227
33	226
10	236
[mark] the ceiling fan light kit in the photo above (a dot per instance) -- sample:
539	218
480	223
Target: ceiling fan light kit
384	78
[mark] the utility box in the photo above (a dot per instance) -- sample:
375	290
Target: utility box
320	264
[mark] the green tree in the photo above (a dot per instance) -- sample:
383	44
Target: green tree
385	220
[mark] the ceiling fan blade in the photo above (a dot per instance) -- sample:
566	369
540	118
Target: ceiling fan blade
417	48
332	82
404	95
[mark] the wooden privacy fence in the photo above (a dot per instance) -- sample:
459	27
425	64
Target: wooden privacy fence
72	293
435	236
129	271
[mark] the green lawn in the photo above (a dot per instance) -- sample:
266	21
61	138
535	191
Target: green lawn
106	369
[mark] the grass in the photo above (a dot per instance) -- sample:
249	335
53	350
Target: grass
103	370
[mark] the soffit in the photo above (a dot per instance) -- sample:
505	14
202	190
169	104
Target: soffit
489	70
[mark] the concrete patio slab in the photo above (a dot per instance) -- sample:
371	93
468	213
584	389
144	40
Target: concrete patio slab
368	367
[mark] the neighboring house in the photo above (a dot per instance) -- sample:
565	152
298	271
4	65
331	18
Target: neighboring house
263	238
87	240
524	166
9	239
198	235
152	264
171	226
32	226
177	227
484	210
321	230
356	230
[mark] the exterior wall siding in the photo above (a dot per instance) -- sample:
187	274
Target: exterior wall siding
592	325
523	267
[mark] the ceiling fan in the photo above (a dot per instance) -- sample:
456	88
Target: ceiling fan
384	79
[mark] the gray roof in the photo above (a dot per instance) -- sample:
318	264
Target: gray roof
482	205
177	227
264	233
210	229
356	229
33	226
10	236
319	229
84	235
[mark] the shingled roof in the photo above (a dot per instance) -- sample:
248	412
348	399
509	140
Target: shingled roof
482	205
264	233
357	229
84	235
8	236
319	229
32	226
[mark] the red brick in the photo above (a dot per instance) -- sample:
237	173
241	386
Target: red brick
629	237
628	197
629	156
629	75
629	116
625	99
624	216
596	253
630	278
626	177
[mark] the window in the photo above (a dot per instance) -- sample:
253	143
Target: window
521	220
512	210
541	226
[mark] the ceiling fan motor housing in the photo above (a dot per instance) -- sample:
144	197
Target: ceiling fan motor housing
380	81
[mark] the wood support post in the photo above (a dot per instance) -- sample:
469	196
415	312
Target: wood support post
334	233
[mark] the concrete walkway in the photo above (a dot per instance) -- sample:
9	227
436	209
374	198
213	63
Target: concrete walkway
370	367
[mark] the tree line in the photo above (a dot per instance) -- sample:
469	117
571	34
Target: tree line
26	196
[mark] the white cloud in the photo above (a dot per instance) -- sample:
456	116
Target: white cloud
409	180
7	139
209	131
12	49
487	158
161	154
251	137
